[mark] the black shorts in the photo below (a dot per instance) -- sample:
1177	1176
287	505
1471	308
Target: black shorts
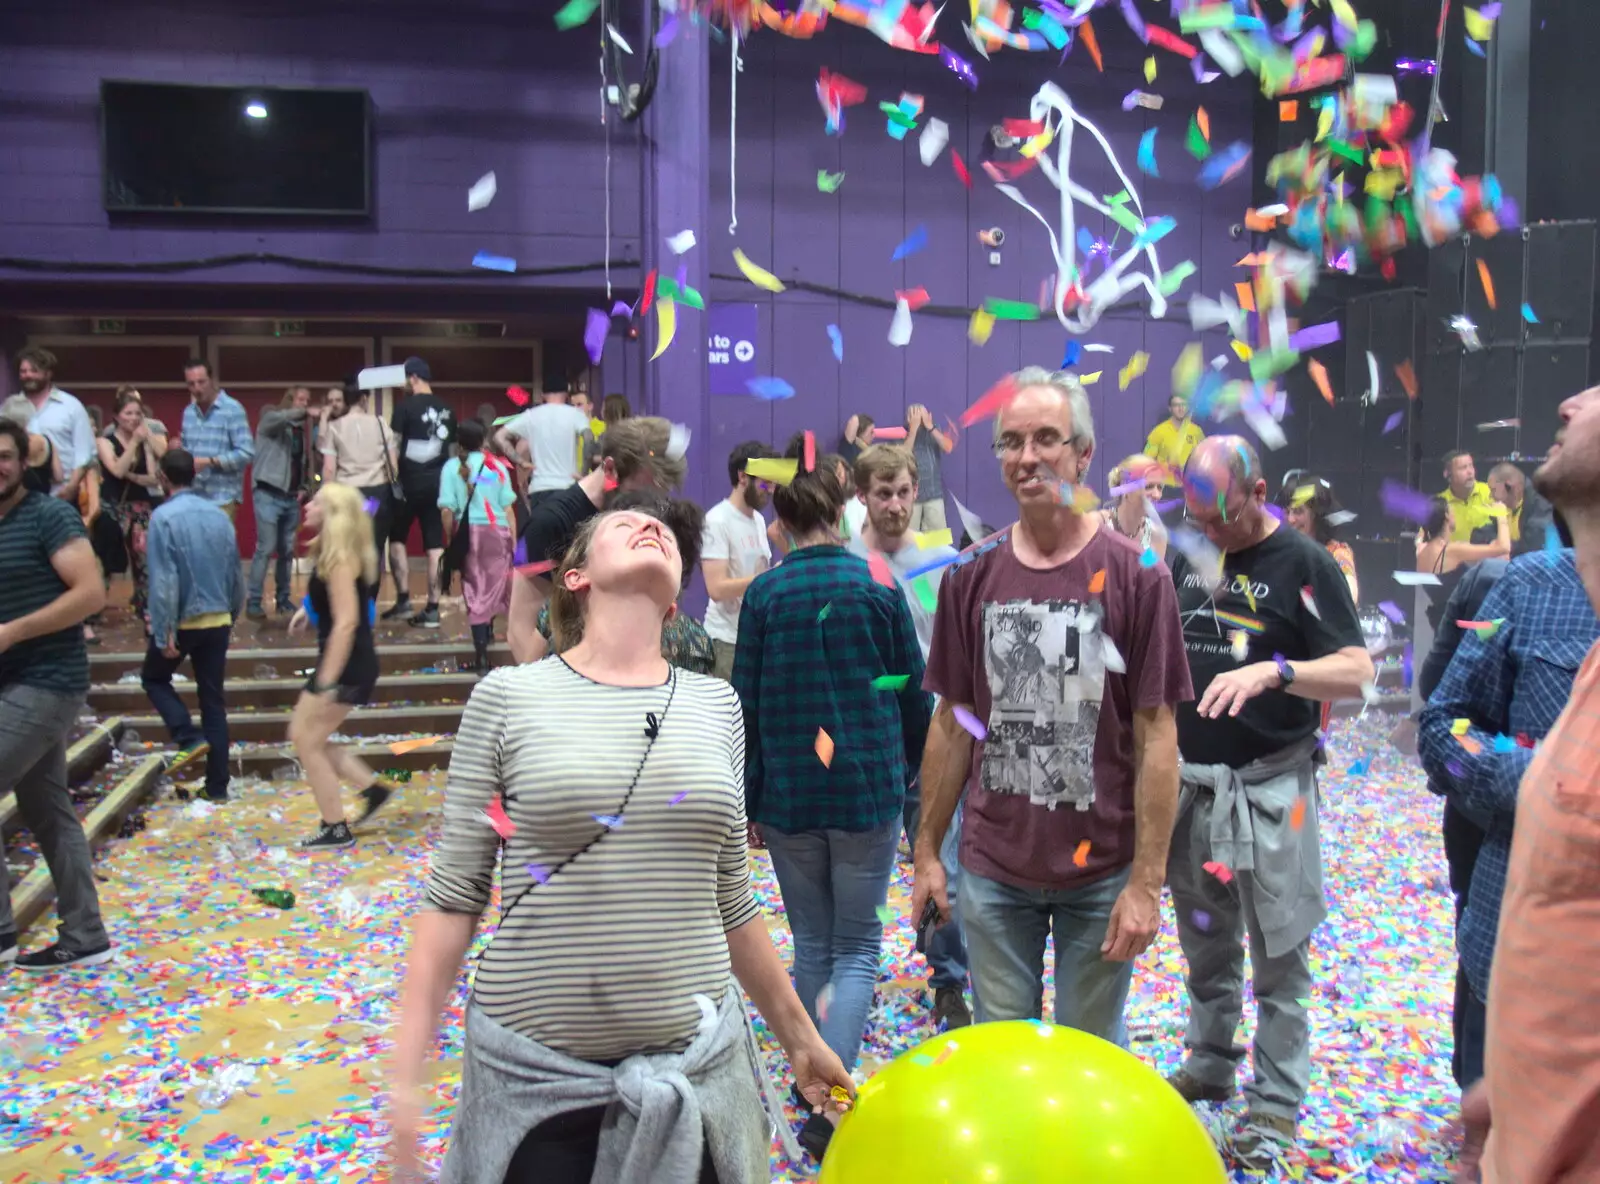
424	510
350	694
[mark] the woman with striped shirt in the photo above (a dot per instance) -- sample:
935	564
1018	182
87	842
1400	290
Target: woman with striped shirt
605	1038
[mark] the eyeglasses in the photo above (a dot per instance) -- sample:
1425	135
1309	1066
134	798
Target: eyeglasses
1045	440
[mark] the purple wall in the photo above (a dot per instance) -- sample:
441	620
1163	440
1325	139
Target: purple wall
845	240
458	89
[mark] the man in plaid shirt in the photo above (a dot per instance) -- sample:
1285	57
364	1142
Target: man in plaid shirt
216	432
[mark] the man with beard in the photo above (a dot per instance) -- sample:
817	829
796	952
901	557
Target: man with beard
59	418
735	551
1270	637
1541	1088
52	584
886	478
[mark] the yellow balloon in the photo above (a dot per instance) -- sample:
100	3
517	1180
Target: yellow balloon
1020	1103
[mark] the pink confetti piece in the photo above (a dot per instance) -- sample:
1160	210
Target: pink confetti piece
518	396
498	819
543	567
970	722
879	567
1309	599
891	433
1220	870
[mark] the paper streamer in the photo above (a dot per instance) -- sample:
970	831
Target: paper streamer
594	334
935	135
666	326
759	276
377	377
837	338
681	242
482	192
900	326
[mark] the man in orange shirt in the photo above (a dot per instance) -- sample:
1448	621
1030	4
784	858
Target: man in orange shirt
1538	1106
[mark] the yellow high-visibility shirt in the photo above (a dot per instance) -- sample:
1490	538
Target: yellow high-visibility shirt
1477	510
1171	445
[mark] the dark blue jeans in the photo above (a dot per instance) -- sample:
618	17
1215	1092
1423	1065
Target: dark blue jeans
947	950
207	651
277	519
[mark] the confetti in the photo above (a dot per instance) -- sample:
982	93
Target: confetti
1136	366
538	873
1528	315
1297	814
1308	597
778	470
401	747
1147	154
1148	557
1484	629
1319	375
1221	871
681	242
1402	502
759	276
890	682
1408	378
596	326
769	388
827	183
1487	281
935	135
1111	656
900	324
575	12
914	242
498	819
1417	579
970	722
960	167
808	455
1080	857
677	441
482	192
543	567
879	567
837	339
493	262
928	539
894	432
609	821
990	403
824	748
1394	421
1392	610
1097	582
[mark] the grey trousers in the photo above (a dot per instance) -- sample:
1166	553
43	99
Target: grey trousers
33	764
1213	921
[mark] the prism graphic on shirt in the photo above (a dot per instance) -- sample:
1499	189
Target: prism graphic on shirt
1046	672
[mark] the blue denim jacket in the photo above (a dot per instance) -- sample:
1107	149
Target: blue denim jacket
1510	686
193	559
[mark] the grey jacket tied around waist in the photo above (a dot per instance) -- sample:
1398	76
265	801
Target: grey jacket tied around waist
664	1106
1247	821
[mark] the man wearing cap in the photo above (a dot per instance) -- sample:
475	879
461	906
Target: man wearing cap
424	426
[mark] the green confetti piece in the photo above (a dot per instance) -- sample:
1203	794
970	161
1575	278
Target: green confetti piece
1046	26
926	596
1271	363
690	298
1351	152
575	12
1173	280
1365	41
1120	199
890	682
1010	310
1207	16
1126	218
897	115
1195	142
829	182
886	914
826	609
666	288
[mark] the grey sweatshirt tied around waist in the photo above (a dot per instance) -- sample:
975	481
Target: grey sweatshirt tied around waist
665	1106
1249	817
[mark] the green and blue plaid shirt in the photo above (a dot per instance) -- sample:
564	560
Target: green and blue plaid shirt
814	632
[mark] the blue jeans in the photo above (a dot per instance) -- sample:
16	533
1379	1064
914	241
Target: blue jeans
207	651
1006	929
833	882
947	950
277	519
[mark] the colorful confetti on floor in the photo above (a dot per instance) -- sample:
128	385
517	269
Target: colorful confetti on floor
234	1042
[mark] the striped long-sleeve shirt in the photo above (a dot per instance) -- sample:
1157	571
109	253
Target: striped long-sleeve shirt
223	436
599	957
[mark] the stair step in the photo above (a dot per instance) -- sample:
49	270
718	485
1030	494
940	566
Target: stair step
287	663
244	693
256	726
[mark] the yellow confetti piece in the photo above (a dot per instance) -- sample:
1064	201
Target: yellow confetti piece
1037	144
1303	494
666	326
597	426
1343	13
934	538
1240	641
401	747
1479	27
1383	182
1325	122
773	469
1090	379
1150	69
981	325
1244	351
1459	727
824	748
1084	500
759	276
1137	365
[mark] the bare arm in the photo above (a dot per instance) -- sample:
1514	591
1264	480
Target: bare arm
110	462
1136	915
760	972
439	946
946	444
345	606
522	619
85	595
1339	675
778	540
719	584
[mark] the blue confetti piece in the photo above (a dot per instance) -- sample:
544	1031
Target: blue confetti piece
769	388
838	342
1527	314
1085	240
1147	153
311	613
493	262
1393	422
1074	351
1153	233
1474	47
1359	769
1148	557
915	241
609	821
1552	537
1219	165
1503	743
372	612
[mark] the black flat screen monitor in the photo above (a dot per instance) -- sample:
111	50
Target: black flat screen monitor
173	148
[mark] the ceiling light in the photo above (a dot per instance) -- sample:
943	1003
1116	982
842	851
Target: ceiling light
256	110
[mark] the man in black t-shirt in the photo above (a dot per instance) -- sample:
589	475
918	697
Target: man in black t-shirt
1271	633
424	427
634	454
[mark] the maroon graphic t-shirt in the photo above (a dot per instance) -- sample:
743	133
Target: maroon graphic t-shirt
1055	662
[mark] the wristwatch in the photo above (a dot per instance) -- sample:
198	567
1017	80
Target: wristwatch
1285	672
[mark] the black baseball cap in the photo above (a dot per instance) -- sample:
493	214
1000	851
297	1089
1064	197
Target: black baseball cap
417	368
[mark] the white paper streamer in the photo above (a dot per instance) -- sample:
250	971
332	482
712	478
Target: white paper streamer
482	192
377	377
900	327
935	135
1223	52
681	242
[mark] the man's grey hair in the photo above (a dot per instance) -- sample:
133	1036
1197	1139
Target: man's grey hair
18	409
1504	471
1071	391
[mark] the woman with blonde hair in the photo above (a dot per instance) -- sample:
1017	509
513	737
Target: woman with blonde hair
1136	486
614	784
339	602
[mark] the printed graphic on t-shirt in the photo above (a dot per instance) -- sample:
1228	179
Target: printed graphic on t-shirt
1047	676
1210	633
428	445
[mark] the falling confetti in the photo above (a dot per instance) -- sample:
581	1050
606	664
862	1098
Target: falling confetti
498	819
970	722
482	192
769	388
890	682
609	821
1308	597
759	276
824	748
1080	857
1487	281
1221	871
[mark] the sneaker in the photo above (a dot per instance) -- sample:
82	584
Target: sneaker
58	957
815	1136
1262	1141
186	756
256	614
332	836
428	618
373	798
950	1009
8	948
1192	1090
395	611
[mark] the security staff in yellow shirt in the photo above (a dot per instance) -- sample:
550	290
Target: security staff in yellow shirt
1468	497
1173	439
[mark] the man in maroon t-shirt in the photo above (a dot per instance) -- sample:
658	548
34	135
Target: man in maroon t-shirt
1062	654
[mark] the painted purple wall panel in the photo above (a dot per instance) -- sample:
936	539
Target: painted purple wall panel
458	90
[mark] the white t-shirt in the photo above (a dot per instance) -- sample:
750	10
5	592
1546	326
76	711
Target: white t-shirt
855	514
741	539
904	561
554	434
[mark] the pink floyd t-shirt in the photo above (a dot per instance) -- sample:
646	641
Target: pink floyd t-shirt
1054	662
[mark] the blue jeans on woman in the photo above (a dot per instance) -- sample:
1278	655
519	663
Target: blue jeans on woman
833	882
277	519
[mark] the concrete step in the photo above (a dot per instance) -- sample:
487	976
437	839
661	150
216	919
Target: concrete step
273	725
265	761
298	662
244	694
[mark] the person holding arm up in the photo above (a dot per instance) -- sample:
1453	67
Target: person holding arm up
340	603
609	788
